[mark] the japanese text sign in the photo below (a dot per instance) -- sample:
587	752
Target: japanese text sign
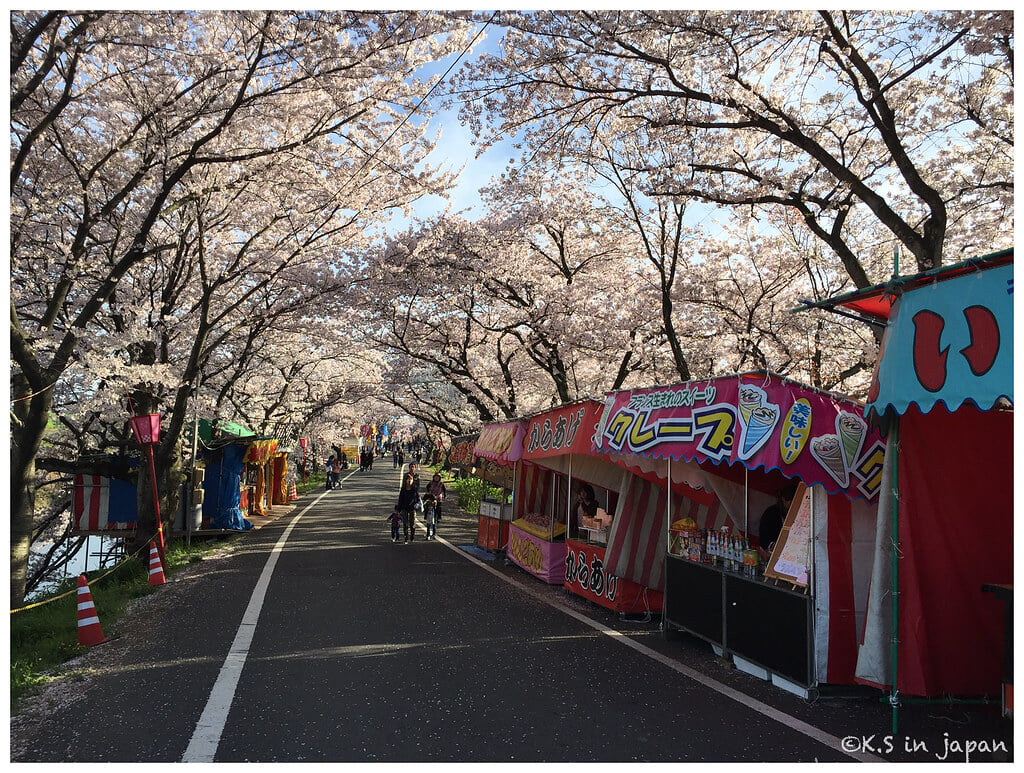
756	420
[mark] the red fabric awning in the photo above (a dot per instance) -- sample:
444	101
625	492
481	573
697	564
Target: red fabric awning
568	429
875	303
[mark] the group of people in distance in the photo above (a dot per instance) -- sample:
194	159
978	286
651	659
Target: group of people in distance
410	502
334	468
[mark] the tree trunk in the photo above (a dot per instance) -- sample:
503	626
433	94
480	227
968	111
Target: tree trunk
678	357
29	416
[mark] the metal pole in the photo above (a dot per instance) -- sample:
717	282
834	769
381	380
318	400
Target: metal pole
746	502
894	699
568	502
156	502
668	542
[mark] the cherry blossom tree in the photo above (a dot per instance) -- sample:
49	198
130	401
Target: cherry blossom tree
122	121
906	116
527	307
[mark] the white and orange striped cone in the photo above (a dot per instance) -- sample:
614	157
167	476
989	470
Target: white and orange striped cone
292	493
156	569
90	632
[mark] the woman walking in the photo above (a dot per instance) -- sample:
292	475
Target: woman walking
407	499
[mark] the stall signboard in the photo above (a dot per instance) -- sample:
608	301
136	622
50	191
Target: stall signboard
501	443
564	430
260	451
949	341
759	420
543	559
791	559
586	575
461	453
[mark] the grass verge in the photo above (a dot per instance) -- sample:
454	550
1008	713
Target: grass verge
43	637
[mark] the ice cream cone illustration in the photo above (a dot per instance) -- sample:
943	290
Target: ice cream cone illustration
751	398
759	428
851	430
828	451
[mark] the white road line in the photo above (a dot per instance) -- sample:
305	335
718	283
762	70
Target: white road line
771	712
210	727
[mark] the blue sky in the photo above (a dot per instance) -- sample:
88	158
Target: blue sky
455	147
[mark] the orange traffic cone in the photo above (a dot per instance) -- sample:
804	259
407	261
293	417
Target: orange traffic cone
89	630
156	569
292	493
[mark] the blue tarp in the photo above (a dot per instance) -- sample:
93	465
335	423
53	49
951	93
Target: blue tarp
223	489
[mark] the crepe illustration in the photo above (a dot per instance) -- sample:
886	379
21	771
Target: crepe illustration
851	430
759	428
828	451
751	398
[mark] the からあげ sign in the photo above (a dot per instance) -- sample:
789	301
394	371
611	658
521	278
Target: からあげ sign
564	430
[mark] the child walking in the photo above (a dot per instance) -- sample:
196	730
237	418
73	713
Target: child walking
430	515
396	524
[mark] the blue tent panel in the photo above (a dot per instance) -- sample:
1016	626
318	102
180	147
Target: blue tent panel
223	495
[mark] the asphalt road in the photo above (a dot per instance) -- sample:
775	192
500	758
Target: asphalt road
320	640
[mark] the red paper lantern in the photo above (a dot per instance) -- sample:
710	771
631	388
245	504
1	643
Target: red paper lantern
146	429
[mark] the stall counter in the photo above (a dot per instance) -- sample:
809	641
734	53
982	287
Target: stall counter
759	620
542	558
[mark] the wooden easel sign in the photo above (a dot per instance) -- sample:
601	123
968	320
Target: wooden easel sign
790	560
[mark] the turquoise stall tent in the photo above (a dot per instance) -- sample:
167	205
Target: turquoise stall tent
943	391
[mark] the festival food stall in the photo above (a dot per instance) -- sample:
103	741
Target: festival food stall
222	498
238	479
496	452
558	459
710	456
943	392
279	477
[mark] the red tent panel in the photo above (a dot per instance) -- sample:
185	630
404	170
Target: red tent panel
956	534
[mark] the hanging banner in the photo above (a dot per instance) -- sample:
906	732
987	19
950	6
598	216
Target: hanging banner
502	443
564	430
260	451
948	342
757	420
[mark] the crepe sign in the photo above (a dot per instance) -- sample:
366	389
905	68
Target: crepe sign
757	421
565	430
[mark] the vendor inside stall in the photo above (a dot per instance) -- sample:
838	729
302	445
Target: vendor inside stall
590	520
771	521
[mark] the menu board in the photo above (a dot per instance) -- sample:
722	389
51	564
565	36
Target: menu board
791	558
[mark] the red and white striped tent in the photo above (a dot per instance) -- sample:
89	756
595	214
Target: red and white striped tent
718	451
101	504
